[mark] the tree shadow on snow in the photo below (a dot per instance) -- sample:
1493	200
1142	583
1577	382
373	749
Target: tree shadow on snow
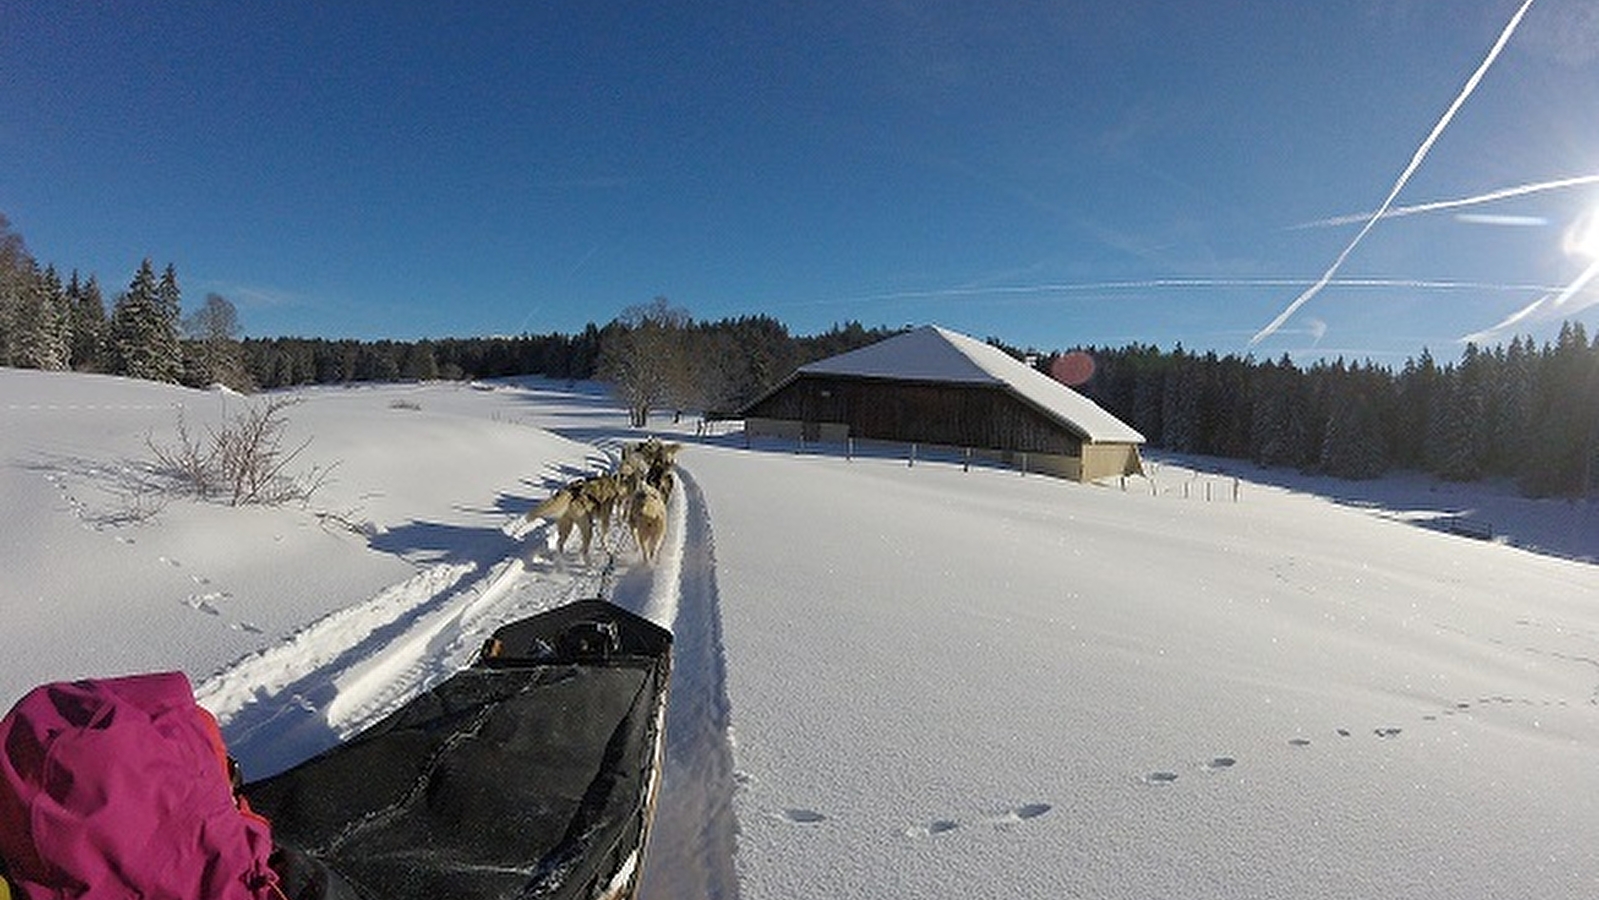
1485	511
442	542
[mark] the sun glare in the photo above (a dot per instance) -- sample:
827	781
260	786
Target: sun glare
1582	238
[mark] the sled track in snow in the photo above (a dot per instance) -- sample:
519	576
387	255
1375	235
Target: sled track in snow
691	846
354	666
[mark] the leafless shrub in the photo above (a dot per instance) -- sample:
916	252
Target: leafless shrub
244	460
190	462
139	499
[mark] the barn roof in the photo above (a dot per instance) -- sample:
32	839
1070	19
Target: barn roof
934	354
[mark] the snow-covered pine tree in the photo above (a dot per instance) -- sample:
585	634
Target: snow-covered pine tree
1565	418
57	321
1461	447
143	334
1277	428
39	321
1352	446
88	324
1179	410
1512	390
1419	389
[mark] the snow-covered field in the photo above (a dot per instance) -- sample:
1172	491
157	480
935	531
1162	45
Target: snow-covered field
890	680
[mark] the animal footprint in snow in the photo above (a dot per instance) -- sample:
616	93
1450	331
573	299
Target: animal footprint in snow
1013	816
1386	733
1020	814
1220	763
940	826
1302	742
802	816
201	604
1160	778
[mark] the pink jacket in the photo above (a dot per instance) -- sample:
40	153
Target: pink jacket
118	789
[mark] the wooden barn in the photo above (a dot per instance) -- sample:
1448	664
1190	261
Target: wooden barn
936	387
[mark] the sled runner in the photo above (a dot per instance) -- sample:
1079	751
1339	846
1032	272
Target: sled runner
531	773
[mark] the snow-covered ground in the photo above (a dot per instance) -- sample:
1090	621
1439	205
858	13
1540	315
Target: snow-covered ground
889	679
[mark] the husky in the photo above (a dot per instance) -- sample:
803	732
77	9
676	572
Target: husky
650	462
568	507
646	518
605	493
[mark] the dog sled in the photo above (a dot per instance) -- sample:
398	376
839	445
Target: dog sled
532	773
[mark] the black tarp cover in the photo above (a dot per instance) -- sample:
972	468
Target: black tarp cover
526	775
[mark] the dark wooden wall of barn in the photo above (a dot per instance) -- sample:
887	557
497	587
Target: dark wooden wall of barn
951	414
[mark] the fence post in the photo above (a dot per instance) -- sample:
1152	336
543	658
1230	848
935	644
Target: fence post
1235	490
966	461
913	456
1024	463
849	449
1207	492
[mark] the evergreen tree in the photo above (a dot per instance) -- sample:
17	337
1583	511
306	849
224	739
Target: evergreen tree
1513	396
1418	389
88	323
1558	462
1277	431
144	329
40	322
1458	428
1179	411
1231	412
1352	446
419	363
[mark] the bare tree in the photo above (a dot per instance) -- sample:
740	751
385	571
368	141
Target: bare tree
642	356
217	356
16	277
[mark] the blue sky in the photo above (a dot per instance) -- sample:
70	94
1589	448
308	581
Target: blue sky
1049	173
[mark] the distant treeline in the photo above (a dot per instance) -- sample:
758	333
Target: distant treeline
707	367
1518	411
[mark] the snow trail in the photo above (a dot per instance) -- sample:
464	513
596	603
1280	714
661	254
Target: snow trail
690	853
352	667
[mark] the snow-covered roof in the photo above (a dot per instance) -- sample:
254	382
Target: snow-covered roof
931	353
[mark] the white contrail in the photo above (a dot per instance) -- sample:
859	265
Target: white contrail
1404	177
1576	287
1498	219
1487	334
1520	190
1548	303
1186	283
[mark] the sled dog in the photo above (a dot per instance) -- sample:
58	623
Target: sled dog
650	462
568	507
646	518
604	492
